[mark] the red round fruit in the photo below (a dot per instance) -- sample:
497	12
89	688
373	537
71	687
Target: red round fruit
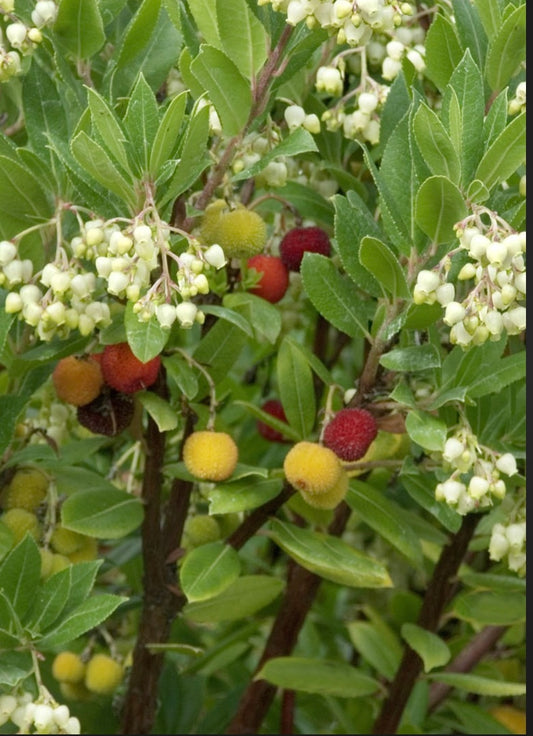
124	372
275	408
274	280
298	241
350	433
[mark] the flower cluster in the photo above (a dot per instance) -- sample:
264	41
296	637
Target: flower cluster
475	480
37	716
20	39
518	102
254	147
509	541
496	302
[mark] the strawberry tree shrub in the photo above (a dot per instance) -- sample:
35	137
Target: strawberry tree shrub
262	366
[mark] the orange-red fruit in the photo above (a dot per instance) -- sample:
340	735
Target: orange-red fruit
274	279
300	240
77	380
350	433
275	408
123	371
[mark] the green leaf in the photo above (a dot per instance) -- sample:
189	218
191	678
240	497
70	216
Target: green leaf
477	192
505	154
107	124
493	581
138	32
82	577
470	29
242	36
485	608
475	719
50	600
439	205
381	262
205	17
382	652
443	51
295	383
264	318
142	121
421	487
318	676
382	515
329	557
507	49
411	359
86	616
308	202
333	295
242	598
7	539
160	410
229	315
96	162
426	430
20	195
490	15
208	570
299	141
103	513
146	339
219	349
14	668
80	28
479	685
433	651
242	495
166	138
435	144
182	373
228	90
508	370
10	410
20	572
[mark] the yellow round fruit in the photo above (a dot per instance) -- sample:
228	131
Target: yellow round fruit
312	468
75	691
511	717
330	499
68	667
21	521
210	455
59	562
86	552
210	220
65	541
241	233
26	490
103	674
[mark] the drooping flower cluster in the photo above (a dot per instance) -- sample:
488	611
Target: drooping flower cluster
518	102
21	40
508	541
496	303
475	480
37	716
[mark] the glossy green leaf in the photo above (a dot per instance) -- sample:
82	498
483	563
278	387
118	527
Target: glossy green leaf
475	719
329	557
382	515
160	410
20	572
230	316
264	318
242	598
7	539
82	577
439	205
470	29
242	36
381	262
433	651
103	513
414	358
485	607
138	32
509	369
421	487
333	295
86	616
477	192
505	154
318	676
507	49
490	15
228	90
141	121
353	220
295	383
15	667
165	140
479	685
205	17
443	51
146	339
308	202
107	124
426	430
382	653
299	141
493	581
20	195
182	373
50	600
435	144
208	570
219	349
242	495
80	28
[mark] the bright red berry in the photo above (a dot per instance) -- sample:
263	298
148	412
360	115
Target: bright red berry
299	240
275	408
350	433
274	279
124	372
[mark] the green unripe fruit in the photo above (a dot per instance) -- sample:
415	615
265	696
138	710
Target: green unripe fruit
330	499
68	667
21	522
241	233
75	691
26	491
66	541
86	552
211	219
200	530
103	674
228	523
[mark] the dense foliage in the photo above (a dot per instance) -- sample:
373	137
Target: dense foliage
262	366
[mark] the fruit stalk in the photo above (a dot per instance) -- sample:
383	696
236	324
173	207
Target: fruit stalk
438	594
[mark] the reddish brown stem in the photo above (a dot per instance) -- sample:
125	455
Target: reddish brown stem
287	712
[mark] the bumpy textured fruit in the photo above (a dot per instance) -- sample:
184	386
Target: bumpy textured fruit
275	408
52	562
210	455
86	552
241	233
330	499
511	717
110	413
21	522
312	468
75	691
350	433
126	373
77	380
68	667
103	674
274	279
201	529
298	241
66	541
210	220
26	490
